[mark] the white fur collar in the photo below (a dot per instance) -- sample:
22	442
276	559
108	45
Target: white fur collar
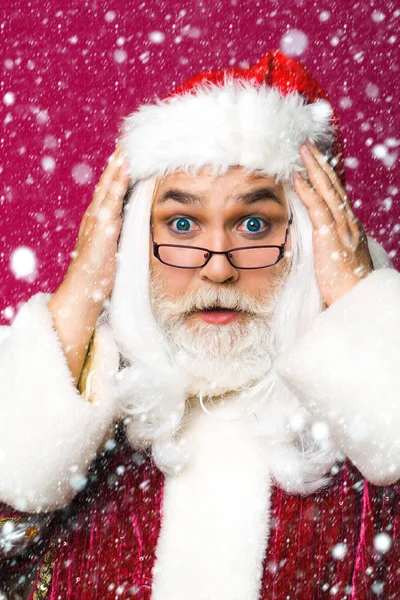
215	523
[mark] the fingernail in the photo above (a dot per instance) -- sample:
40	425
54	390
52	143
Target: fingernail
297	179
305	150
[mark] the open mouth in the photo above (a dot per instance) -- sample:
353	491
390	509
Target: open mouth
218	315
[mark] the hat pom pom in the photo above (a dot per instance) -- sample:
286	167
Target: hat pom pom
322	112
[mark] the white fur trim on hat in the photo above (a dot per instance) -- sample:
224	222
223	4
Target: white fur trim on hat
238	124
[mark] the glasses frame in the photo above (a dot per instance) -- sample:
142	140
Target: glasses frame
281	249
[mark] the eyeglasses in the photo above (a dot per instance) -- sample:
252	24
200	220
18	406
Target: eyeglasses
193	257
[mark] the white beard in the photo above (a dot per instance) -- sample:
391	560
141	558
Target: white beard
222	358
217	358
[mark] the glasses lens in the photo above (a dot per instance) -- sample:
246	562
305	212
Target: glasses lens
254	257
183	257
247	258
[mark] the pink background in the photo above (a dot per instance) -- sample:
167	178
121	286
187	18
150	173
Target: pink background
72	70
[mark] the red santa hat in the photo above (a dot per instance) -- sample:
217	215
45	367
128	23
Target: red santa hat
255	117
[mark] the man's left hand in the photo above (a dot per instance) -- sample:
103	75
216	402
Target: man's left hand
340	245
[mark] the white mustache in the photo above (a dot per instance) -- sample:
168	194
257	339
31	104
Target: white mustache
210	296
206	298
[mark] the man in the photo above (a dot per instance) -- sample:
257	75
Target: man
247	357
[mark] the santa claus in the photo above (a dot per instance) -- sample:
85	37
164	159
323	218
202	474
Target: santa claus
232	431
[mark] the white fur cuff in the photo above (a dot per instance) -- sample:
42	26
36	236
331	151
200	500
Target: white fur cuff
48	432
346	371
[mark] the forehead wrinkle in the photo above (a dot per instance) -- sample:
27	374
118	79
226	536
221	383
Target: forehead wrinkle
182	197
187	198
264	194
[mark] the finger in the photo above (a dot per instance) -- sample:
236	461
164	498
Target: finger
111	171
114	163
324	163
112	201
82	225
113	158
321	216
319	212
327	240
115	192
354	224
323	186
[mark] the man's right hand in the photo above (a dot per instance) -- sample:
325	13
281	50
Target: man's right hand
78	301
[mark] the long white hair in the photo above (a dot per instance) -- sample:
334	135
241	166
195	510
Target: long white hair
152	387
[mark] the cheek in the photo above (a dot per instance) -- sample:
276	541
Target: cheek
175	281
259	280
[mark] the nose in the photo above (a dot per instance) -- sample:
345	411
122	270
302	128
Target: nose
219	269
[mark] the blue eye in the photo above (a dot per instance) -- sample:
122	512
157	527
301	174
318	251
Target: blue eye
254	224
182	224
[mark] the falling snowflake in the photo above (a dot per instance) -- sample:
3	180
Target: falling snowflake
110	16
324	16
78	482
378	16
372	90
23	263
42	116
8	313
351	162
380	151
9	98
339	551
294	42
157	37
382	542
82	173
120	56
144	57
48	164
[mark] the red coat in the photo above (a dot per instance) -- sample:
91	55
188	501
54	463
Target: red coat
103	545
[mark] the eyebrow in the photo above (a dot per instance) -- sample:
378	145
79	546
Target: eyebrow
265	193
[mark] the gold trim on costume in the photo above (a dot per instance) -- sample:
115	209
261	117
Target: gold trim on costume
43	582
13	519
